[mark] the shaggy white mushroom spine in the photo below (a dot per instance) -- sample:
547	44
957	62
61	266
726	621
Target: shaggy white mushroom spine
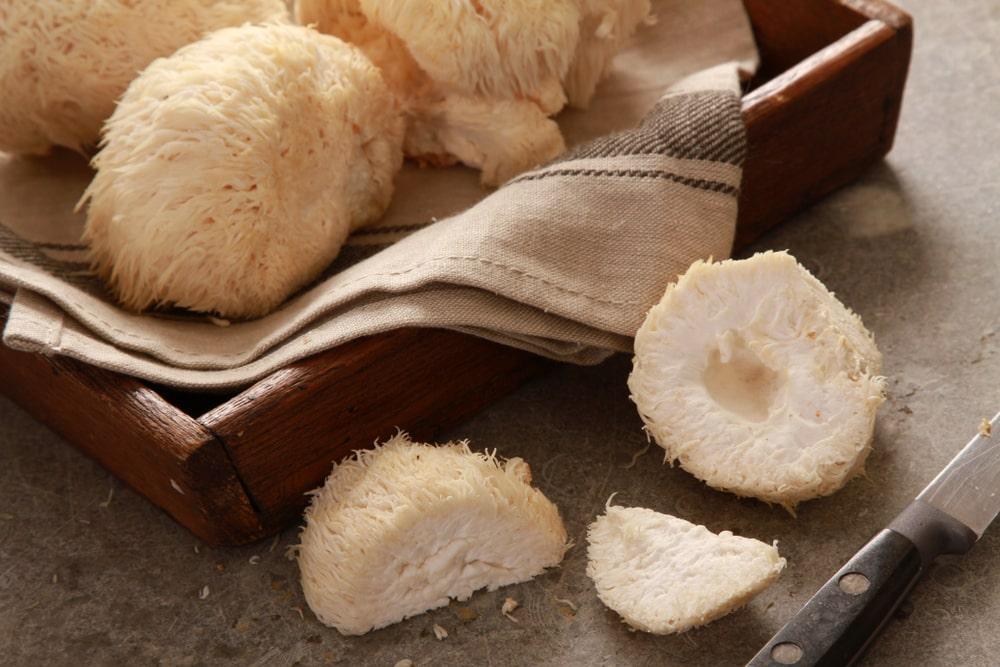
231	172
64	63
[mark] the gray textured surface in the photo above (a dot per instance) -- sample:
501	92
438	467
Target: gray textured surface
912	247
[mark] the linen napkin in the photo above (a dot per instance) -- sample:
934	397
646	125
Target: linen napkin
564	260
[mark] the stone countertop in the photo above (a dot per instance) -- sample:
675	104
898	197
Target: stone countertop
90	573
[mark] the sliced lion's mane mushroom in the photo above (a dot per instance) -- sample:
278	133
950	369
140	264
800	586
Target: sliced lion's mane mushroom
404	528
664	575
754	377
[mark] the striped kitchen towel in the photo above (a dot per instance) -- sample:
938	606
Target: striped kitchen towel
563	260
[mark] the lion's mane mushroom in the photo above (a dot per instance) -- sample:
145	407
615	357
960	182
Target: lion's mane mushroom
64	63
232	171
401	529
665	575
755	378
478	79
605	27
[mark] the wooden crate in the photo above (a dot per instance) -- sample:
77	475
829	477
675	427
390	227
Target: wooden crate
234	468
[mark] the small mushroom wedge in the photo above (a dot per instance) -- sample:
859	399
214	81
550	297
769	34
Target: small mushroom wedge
665	575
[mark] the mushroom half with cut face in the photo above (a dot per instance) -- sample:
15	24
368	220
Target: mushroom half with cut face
404	528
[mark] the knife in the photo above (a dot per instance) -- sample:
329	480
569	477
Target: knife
948	517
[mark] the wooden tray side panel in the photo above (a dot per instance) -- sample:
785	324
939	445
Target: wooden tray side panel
789	31
821	124
285	432
161	453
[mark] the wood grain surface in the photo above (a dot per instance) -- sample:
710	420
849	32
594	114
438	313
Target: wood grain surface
285	432
152	446
820	124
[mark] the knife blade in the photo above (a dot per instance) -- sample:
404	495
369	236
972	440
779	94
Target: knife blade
839	622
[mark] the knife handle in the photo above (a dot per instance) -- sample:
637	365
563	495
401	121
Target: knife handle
842	618
837	623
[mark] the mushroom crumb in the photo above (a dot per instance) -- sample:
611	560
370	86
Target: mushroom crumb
568	603
440	632
203	593
509	605
985	428
405	662
755	378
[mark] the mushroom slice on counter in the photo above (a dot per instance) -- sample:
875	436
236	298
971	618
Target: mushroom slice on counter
665	575
755	378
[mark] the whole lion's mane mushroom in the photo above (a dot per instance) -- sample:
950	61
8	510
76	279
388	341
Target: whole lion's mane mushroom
64	63
232	171
479	79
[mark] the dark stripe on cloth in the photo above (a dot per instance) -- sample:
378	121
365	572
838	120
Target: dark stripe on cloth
391	229
700	183
693	126
77	273
61	246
